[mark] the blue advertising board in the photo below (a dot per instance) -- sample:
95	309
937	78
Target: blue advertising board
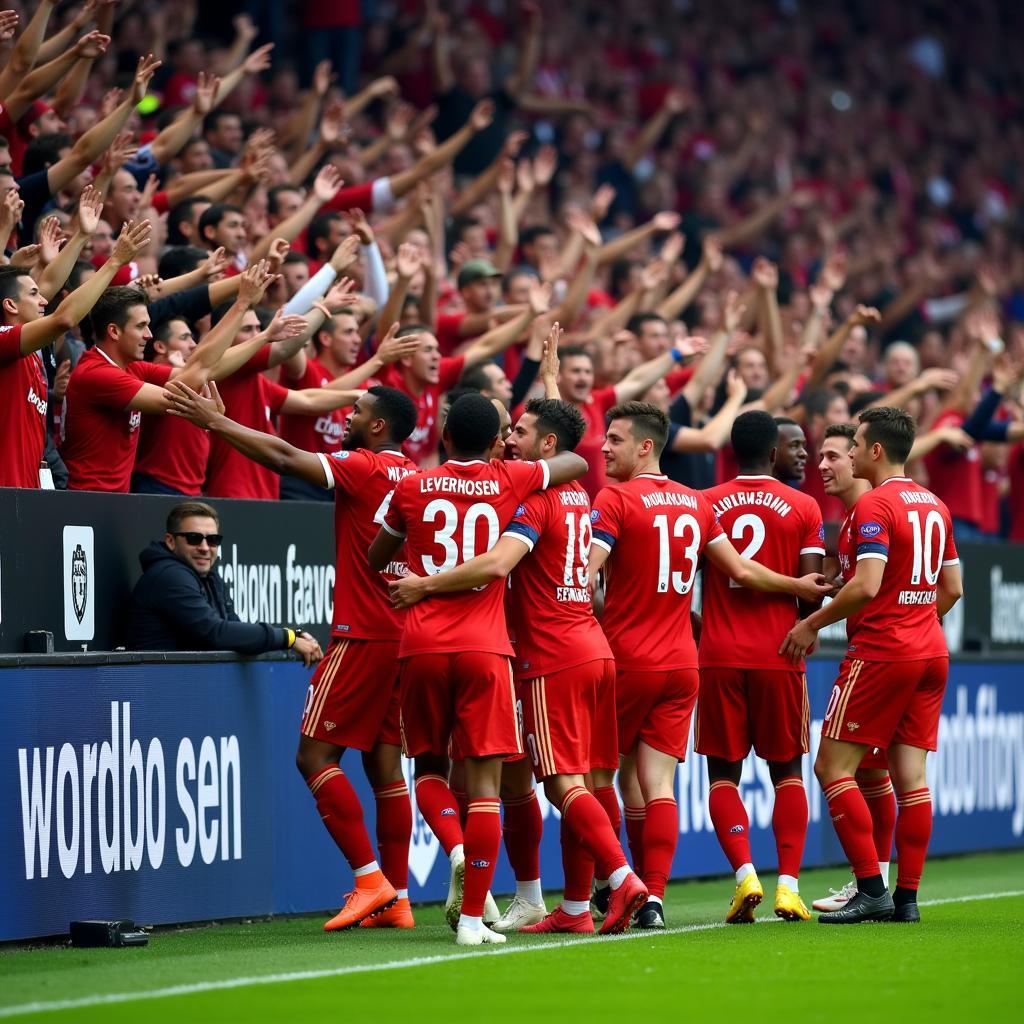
168	793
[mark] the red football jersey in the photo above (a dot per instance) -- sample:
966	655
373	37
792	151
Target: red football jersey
774	525
911	530
173	451
955	476
549	610
364	482
448	515
1015	469
322	433
655	530
594	411
252	400
422	442
99	433
22	411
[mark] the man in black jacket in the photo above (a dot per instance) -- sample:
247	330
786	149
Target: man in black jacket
181	604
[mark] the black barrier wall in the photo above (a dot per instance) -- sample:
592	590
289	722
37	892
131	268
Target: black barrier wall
68	562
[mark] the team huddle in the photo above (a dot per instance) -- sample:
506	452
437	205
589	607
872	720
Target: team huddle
464	633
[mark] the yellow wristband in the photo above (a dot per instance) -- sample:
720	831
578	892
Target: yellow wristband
290	633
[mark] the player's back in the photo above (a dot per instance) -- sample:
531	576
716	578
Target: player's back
449	515
774	525
655	530
364	481
911	530
550	614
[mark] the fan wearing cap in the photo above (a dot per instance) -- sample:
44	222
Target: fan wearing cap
479	284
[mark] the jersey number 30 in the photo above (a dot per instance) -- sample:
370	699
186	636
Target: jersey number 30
444	535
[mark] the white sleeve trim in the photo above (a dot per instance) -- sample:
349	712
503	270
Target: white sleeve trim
520	537
392	531
315	288
381	196
812	551
547	475
873	554
952	561
715	540
327	470
601	544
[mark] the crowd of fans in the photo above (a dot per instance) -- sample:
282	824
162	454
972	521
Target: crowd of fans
805	208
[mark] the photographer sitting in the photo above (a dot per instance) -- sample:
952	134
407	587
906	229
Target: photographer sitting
180	604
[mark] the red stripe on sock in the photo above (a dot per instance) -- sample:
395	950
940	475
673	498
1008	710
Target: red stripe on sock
342	815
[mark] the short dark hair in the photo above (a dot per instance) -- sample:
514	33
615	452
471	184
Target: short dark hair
320	228
892	428
636	322
461	224
458	391
179	214
404	332
533	232
213	215
397	409
574	352
274	194
475	377
296	257
754	435
179	260
847	430
219	312
786	421
646	421
74	280
9	288
215	116
562	419
161	332
472	425
44	151
113	307
184	509
817	400
860	402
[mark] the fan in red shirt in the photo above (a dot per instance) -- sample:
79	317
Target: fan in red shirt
576	382
750	696
352	700
652	532
564	674
24	331
890	686
456	676
111	387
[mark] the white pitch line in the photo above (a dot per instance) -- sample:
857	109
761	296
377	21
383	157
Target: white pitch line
416	961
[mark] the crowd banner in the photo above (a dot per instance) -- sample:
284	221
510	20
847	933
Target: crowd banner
134	789
68	561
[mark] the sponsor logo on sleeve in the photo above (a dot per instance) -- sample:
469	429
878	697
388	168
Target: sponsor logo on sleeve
521	510
595	515
340	455
870	529
821	532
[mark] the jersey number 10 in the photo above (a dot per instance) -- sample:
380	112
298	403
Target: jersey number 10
927	552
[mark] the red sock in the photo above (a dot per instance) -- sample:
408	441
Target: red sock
577	865
852	821
635	836
609	800
483	841
342	816
789	823
435	802
881	801
732	826
582	813
661	833
462	802
522	829
394	830
913	830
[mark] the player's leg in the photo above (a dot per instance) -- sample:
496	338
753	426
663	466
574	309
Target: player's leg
633	810
383	767
457	784
633	701
602	782
656	773
483	842
522	829
789	823
916	734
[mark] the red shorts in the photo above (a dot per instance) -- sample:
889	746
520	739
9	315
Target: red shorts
466	698
352	699
561	720
656	707
879	703
740	708
876	759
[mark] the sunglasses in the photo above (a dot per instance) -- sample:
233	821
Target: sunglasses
194	538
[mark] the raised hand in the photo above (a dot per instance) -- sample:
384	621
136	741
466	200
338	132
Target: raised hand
146	199
206	93
666	220
282	327
256	278
346	254
279	248
360	226
131	241
525	178
26	256
732	314
765	274
391	349
982	325
507	176
216	263
545	164
189	405
676	101
672	247
341	295
407	260
863	316
549	361
323	77
144	71
939	378
583	224
259	60
50	236
653	275
92	45
10	213
245	28
601	202
833	273
109	103
327	183
735	386
387	85
482	115
711	253
333	129
821	296
539	297
690	346
396	124
514	143
60	380
8	25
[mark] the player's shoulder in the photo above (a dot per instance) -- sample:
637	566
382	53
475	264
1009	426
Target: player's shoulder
805	503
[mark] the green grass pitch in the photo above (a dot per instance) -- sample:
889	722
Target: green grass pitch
963	962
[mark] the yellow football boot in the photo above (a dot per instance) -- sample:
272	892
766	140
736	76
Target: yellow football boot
789	906
747	896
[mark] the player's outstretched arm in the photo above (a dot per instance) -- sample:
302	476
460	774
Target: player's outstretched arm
383	549
565	467
748	573
266	449
493	565
854	594
950	588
